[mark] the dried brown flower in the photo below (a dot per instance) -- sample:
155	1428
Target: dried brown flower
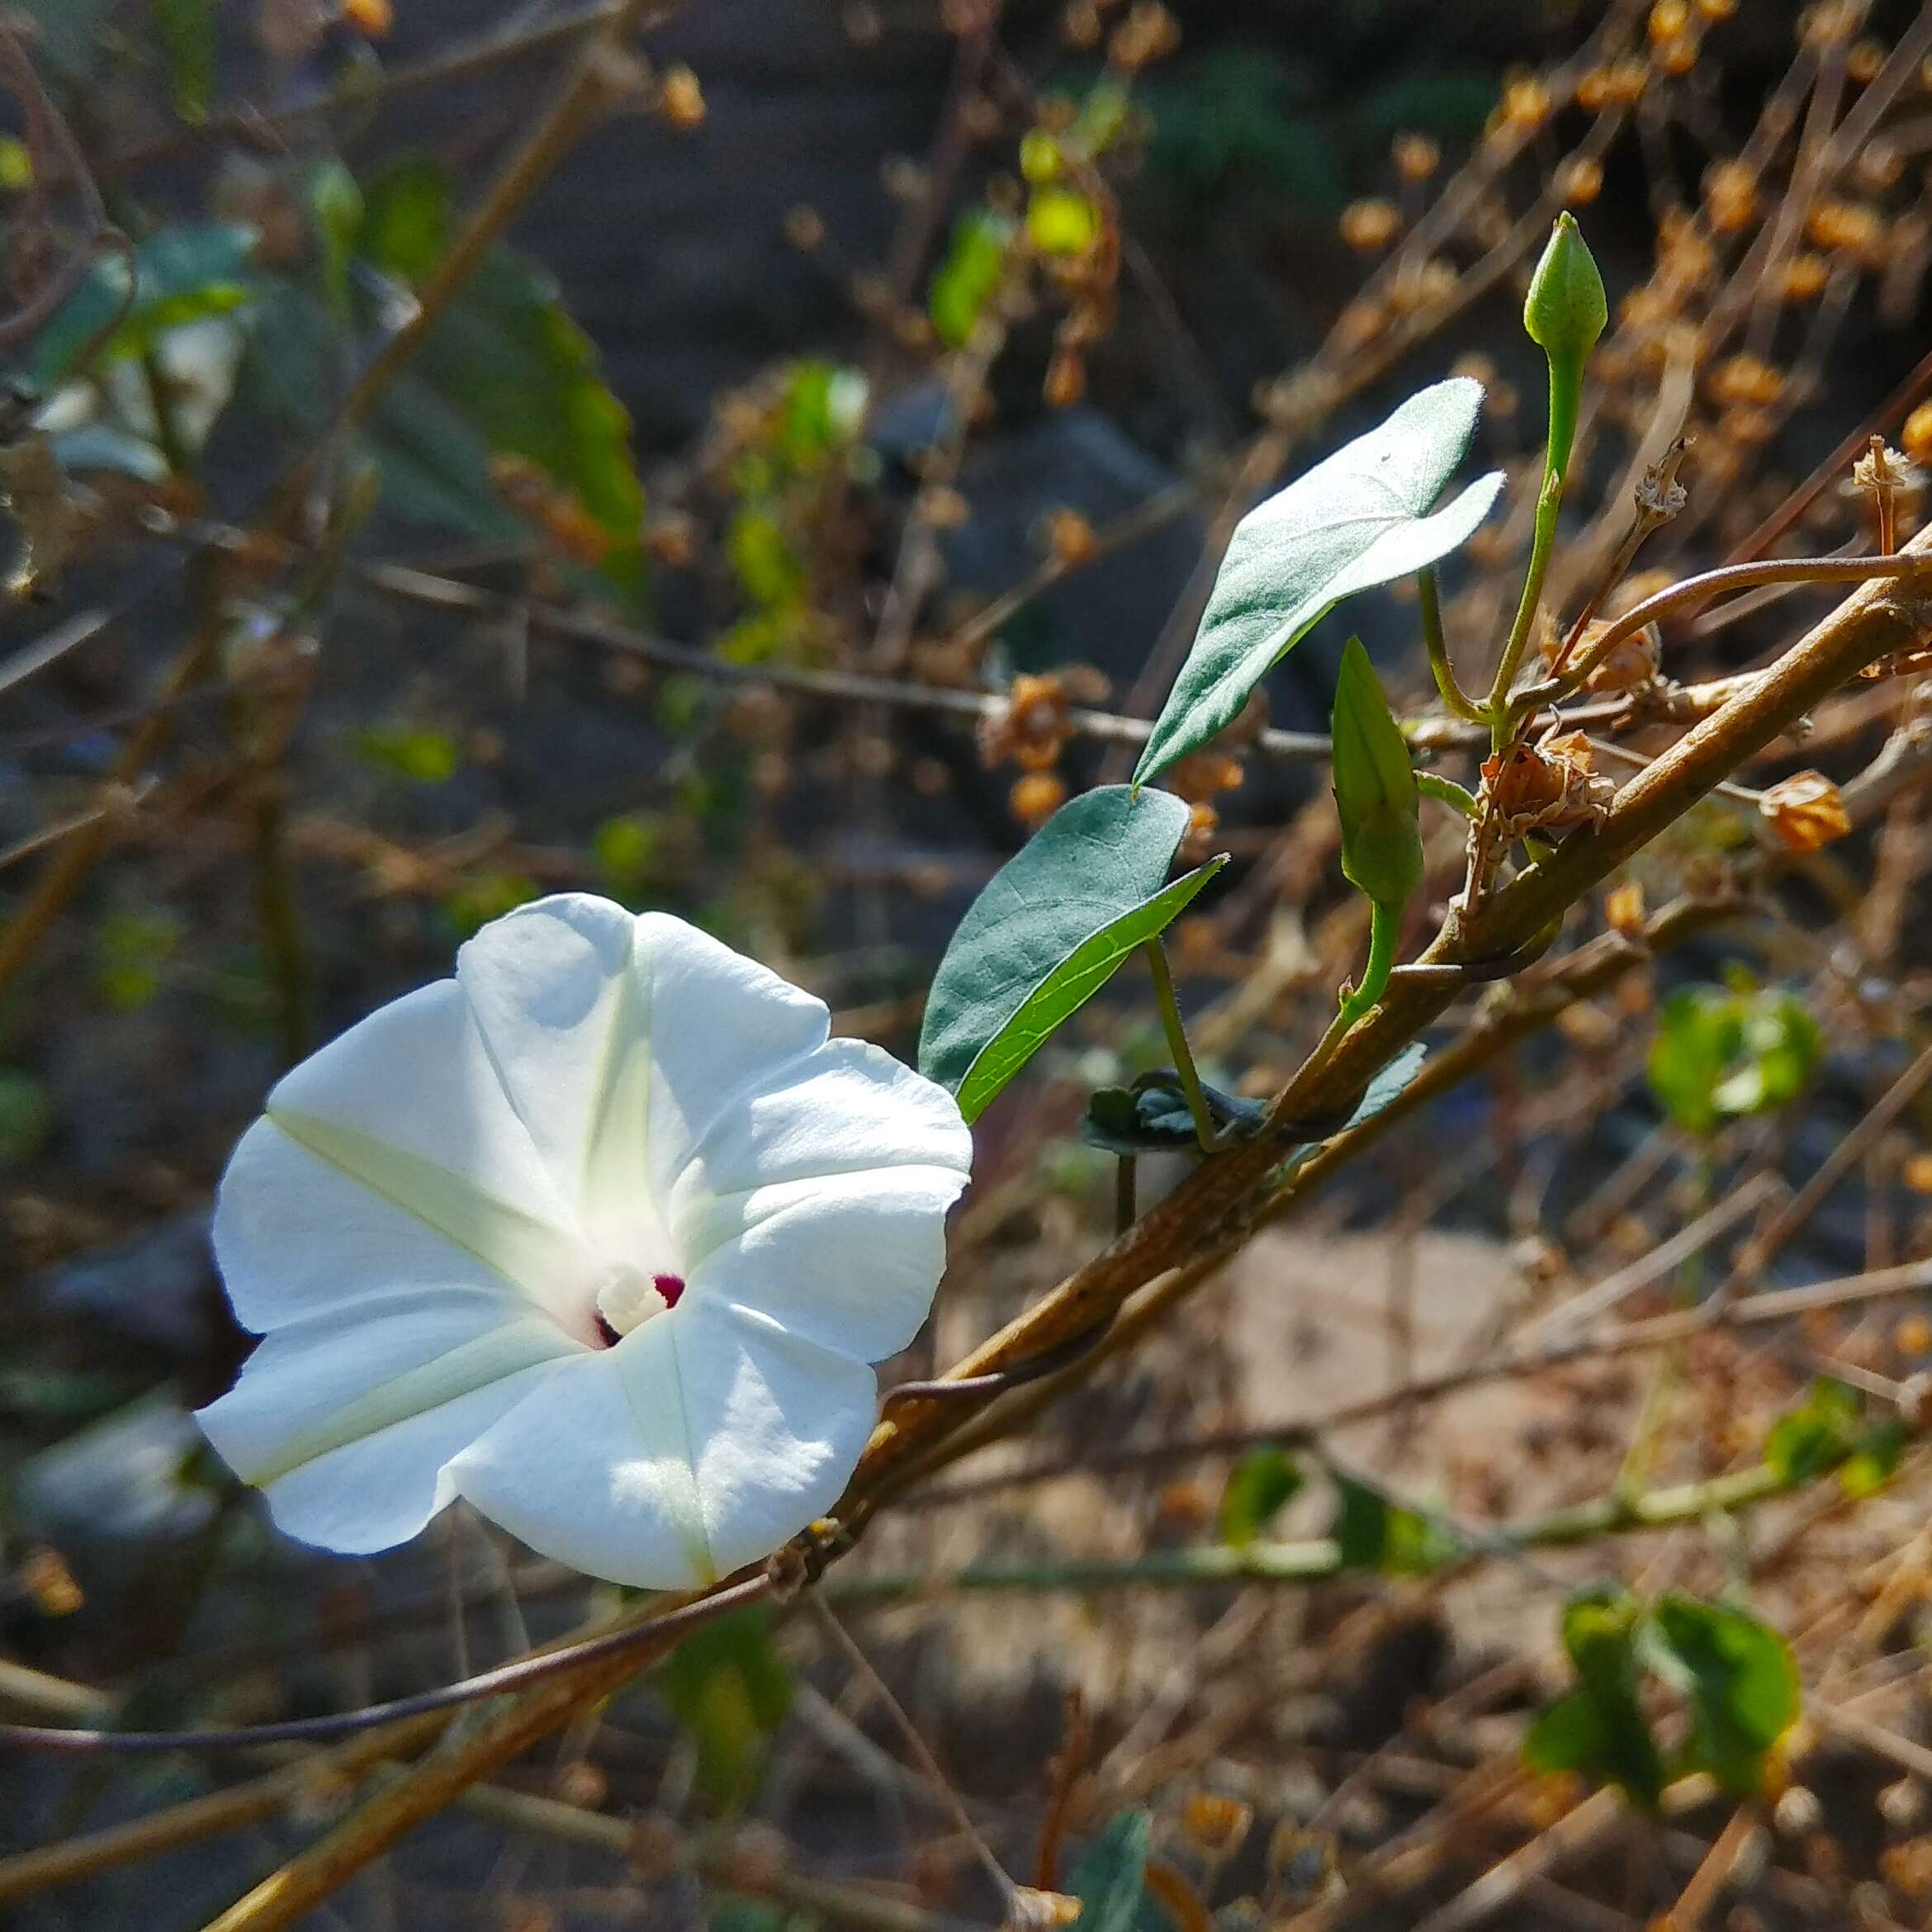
1034	799
1806	811
1546	786
1370	225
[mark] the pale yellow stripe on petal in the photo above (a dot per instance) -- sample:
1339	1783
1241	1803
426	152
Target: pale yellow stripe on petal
472	1365
527	1252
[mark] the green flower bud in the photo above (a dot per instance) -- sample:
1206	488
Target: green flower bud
1376	794
1566	309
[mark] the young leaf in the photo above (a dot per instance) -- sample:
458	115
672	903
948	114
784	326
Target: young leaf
1052	927
729	1685
1720	1053
1374	1533
1740	1682
1827	1430
1389	1082
1599	1729
1375	787
1153	1117
1259	1485
187	31
1110	1880
1360	519
180	275
964	282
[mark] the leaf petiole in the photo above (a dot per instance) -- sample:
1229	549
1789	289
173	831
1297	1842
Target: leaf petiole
1197	1102
1384	923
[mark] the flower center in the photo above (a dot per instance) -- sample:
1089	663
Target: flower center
627	1297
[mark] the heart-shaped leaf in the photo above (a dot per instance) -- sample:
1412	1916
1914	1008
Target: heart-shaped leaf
1052	927
1153	1117
1360	519
1740	1682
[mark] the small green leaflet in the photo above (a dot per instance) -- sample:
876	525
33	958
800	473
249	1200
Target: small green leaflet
1259	1486
1373	1532
1723	1052
1827	1431
963	283
1734	1674
180	275
1358	519
1110	1880
1052	927
1152	1117
187	32
1739	1681
1599	1728
729	1687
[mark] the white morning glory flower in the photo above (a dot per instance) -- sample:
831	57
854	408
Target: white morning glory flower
603	1234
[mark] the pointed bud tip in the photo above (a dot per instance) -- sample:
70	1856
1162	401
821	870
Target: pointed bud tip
1566	309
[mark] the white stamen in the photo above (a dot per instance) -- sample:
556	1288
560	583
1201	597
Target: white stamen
627	1297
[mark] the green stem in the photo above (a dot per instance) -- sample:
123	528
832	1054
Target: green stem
1458	701
1445	791
1197	1106
1565	394
1320	1557
1384	928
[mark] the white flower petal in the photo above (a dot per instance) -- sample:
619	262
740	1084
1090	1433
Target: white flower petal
847	1108
721	1026
296	1236
562	1013
698	1444
408	1104
849	1263
345	1421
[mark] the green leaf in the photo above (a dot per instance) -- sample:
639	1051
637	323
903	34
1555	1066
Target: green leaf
1741	1684
730	1687
1721	1052
1052	927
1110	1880
1358	519
1817	1435
1389	1082
1374	1531
1153	1117
1827	1430
505	372
768	570
25	1117
1375	794
187	32
180	275
1259	1485
1599	1729
423	757
1781	1047
1875	1461
1062	222
963	283
825	405
335	202
407	216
